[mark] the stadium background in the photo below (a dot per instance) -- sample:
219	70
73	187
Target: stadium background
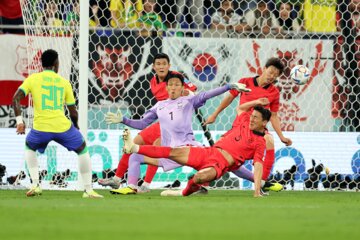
321	117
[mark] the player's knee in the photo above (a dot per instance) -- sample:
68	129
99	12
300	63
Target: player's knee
29	147
139	140
205	175
157	142
269	141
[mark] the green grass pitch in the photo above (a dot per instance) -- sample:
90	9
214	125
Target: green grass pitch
218	215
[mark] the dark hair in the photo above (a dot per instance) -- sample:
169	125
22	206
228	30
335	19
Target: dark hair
174	74
275	62
49	57
161	56
265	113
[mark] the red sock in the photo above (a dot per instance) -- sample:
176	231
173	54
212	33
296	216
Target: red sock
123	165
150	173
154	151
268	163
191	187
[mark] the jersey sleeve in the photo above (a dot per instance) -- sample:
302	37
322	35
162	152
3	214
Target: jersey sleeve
200	99
235	92
259	151
244	118
149	117
275	104
69	95
189	85
26	86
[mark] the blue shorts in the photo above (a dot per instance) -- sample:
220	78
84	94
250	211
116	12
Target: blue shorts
71	139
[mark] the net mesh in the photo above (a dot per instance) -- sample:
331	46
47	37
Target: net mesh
213	43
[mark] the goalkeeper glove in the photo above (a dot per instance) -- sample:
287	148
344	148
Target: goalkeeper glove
240	87
113	117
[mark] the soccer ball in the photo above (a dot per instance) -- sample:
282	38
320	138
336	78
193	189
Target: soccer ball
300	74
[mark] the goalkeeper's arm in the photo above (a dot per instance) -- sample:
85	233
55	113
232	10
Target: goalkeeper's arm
148	118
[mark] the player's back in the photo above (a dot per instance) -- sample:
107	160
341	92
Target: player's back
49	92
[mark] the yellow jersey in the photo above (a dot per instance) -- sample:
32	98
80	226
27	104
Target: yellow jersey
50	92
320	15
128	13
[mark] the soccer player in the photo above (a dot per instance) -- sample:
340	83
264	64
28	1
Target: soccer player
151	134
175	117
261	86
243	142
50	92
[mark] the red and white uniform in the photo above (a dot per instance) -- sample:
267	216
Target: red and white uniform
240	142
158	89
270	92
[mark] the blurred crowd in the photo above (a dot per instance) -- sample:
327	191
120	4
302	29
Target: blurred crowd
258	18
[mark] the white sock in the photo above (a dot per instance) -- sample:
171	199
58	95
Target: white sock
85	170
262	183
135	148
145	184
33	166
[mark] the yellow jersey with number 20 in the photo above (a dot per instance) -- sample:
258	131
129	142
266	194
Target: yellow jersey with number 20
50	92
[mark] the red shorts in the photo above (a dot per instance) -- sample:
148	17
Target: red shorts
150	133
204	157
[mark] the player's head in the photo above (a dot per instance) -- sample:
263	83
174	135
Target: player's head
272	70
259	118
161	65
50	60
174	84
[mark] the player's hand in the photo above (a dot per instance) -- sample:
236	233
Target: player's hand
20	128
211	119
287	141
263	101
111	118
239	87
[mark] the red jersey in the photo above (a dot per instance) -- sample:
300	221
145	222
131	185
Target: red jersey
269	91
242	143
10	9
159	91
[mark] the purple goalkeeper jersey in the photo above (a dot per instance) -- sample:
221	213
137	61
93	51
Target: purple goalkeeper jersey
175	117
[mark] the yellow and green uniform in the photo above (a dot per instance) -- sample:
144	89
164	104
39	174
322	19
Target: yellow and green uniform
320	15
128	13
50	92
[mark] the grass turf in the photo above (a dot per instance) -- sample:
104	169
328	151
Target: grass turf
218	215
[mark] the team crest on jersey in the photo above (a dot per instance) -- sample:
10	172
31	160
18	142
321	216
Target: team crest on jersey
180	105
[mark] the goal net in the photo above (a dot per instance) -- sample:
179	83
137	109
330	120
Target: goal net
214	43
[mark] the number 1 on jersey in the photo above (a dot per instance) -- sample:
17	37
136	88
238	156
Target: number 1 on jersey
171	115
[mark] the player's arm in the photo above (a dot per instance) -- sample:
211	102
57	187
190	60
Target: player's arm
245	107
275	122
73	115
20	125
200	99
258	169
148	118
258	165
224	104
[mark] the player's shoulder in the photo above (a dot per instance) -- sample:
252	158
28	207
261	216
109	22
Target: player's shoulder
247	80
